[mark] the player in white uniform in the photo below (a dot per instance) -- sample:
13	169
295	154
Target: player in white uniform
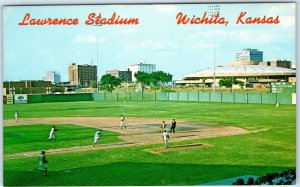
16	115
164	125
97	137
52	131
166	137
122	122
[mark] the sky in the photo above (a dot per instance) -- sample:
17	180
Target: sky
30	51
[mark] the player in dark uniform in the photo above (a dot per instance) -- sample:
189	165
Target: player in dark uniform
173	126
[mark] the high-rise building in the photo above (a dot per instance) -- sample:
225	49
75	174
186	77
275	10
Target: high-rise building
52	76
123	75
82	74
147	68
249	54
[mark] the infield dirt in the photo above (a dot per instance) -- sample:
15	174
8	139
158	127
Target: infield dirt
139	131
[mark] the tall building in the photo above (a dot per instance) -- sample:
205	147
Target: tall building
249	54
52	76
82	74
147	68
123	75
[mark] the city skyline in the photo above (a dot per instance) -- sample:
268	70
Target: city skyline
30	51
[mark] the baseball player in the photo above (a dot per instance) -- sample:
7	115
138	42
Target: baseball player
16	115
51	135
42	163
122	122
166	137
97	137
164	125
173	126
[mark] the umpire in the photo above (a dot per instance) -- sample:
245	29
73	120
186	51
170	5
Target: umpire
173	126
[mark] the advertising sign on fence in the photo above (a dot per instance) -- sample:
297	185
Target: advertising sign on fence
10	99
20	98
294	98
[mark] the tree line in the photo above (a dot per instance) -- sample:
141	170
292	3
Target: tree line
154	79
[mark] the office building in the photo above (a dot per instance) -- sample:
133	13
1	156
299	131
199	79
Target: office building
52	76
125	76
250	55
147	68
82	75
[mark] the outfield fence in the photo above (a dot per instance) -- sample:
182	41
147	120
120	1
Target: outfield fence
258	98
44	98
218	97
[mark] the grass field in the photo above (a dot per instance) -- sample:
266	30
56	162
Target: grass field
271	150
34	137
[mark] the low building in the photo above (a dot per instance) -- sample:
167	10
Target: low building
248	74
26	86
277	63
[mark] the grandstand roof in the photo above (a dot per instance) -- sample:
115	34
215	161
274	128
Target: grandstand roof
242	71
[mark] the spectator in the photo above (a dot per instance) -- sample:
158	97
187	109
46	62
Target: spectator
239	181
250	181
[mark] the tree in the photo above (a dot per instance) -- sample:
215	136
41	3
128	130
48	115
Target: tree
228	82
108	82
94	84
158	78
143	78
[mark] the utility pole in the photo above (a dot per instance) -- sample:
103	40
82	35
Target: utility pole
212	11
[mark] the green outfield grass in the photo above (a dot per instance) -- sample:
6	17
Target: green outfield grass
272	150
34	137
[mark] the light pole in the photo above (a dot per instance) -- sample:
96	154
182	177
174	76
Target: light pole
97	44
97	66
212	11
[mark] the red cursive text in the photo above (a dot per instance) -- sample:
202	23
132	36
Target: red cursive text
216	19
256	20
47	21
113	20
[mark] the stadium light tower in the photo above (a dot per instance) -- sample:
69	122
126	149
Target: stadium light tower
97	45
212	11
97	85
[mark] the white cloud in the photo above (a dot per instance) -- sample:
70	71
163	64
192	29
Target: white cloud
287	21
152	44
198	45
167	9
251	36
282	9
202	34
129	30
286	13
88	38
